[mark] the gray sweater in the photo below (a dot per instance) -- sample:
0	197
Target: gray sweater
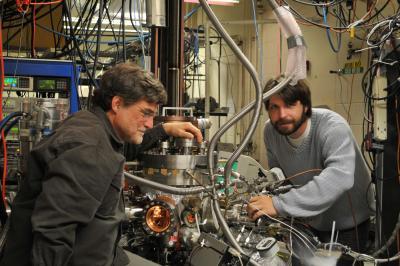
331	194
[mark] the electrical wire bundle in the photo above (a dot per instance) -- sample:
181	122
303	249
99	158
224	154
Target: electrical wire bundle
343	14
5	126
95	34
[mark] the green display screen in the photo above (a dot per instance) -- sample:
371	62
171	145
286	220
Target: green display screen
46	84
10	82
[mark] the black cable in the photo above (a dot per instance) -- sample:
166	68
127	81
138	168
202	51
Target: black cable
377	13
130	16
368	90
317	3
390	240
76	79
99	22
123	31
112	28
297	14
27	19
378	207
76	45
52	27
59	27
88	18
7	119
88	30
114	35
10	125
24	24
317	11
81	24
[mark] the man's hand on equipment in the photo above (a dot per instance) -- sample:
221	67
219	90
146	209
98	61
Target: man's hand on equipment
259	206
183	130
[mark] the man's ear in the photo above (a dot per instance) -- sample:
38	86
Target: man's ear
116	103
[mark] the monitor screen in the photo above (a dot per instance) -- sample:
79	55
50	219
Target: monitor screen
46	84
11	82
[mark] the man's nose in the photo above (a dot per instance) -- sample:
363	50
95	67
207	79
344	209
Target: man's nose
149	122
282	112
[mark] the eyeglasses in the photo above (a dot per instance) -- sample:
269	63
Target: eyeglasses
147	114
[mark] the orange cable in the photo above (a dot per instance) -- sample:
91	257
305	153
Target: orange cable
304	172
3	184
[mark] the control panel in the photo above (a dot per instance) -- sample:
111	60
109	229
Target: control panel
18	83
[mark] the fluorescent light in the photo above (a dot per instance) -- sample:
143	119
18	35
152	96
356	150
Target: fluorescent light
217	2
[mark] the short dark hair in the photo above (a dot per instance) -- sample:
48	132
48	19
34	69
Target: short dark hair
130	82
290	94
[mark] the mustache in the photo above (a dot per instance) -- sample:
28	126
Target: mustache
284	121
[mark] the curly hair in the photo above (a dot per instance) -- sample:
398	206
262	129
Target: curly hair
291	94
130	82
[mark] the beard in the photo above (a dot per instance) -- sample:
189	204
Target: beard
138	137
296	124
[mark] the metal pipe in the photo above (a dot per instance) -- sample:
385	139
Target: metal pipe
245	111
253	74
207	73
252	127
166	188
222	130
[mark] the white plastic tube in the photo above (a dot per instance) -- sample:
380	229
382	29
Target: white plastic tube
296	61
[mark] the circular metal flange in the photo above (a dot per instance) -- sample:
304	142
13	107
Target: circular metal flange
159	218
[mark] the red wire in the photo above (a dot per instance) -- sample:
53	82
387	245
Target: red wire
22	5
46	3
33	52
3	192
3	184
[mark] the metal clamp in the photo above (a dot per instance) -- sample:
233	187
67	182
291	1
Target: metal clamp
177	108
296	40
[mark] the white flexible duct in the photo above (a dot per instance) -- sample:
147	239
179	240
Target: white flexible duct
296	61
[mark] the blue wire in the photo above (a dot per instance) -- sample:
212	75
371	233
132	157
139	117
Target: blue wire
194	10
8	118
339	39
87	41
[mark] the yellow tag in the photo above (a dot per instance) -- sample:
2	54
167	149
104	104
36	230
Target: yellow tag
352	32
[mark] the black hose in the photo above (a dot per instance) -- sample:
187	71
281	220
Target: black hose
9	117
76	44
9	126
390	240
96	57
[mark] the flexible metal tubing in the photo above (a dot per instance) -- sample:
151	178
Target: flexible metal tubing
167	188
390	240
216	137
258	104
